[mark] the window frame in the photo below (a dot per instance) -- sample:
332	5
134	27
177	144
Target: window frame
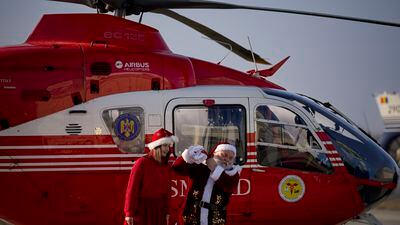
142	132
310	126
217	104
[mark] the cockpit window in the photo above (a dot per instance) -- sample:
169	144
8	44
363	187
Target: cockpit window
208	126
346	144
326	123
284	140
126	126
361	155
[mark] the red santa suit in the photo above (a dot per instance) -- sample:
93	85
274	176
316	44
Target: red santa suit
148	192
209	192
149	187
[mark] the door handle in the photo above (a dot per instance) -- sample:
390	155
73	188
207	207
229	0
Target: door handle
258	170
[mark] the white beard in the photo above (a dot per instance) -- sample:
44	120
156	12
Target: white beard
225	165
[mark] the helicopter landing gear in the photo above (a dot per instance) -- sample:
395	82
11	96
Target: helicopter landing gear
367	218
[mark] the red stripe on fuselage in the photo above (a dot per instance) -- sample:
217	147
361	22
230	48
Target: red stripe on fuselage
56	140
251	137
15	152
39	158
323	136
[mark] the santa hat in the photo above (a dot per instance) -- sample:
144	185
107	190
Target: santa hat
161	137
225	147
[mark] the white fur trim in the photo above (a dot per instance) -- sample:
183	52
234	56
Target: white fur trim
203	216
174	138
185	156
217	173
234	170
166	140
226	147
206	198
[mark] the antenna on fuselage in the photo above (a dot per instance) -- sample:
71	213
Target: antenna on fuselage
223	43
252	54
141	17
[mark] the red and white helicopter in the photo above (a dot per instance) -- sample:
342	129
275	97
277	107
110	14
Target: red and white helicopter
79	112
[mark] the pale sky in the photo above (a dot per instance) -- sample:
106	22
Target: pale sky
342	62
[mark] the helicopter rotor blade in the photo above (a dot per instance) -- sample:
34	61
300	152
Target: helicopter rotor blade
139	6
90	3
322	15
149	5
217	37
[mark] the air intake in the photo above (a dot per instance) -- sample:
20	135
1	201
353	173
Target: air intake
73	129
4	124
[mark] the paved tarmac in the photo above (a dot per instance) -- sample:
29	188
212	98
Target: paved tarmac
385	217
388	212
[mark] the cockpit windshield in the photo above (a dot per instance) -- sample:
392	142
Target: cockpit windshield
361	155
335	111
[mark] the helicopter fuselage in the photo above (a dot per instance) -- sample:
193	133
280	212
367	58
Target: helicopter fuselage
66	149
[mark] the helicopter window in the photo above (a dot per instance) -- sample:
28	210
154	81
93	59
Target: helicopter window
208	126
126	126
346	144
284	140
280	114
362	157
329	124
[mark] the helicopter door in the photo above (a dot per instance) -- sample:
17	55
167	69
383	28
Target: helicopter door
225	119
287	163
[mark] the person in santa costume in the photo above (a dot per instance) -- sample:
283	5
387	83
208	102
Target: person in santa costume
212	182
149	186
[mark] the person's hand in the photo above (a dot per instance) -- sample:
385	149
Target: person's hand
129	220
195	154
167	218
211	163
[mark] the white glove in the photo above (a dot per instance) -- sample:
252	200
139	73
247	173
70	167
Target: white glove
194	154
129	220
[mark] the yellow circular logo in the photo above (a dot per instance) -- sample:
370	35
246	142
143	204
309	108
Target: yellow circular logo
291	188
